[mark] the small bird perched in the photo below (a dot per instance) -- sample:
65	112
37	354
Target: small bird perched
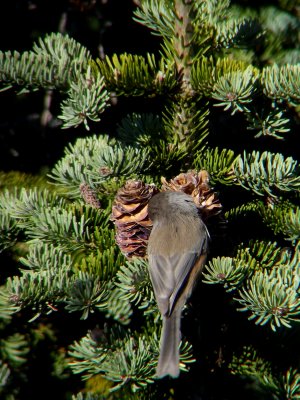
177	251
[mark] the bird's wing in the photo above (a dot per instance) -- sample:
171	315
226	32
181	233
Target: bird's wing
168	276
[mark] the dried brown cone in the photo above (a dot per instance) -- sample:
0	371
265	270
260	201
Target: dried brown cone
197	185
130	216
89	195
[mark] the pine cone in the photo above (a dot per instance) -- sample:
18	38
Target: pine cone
130	216
196	185
89	195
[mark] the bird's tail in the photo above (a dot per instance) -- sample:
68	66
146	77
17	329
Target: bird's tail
168	362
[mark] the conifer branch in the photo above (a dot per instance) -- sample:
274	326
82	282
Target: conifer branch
235	90
290	384
69	259
133	75
51	282
206	72
269	124
272	295
244	210
283	218
157	16
225	270
232	272
41	290
14	349
129	356
59	62
186	121
129	361
267	173
267	280
23	204
8	230
135	286
8	303
89	396
250	364
86	294
97	160
238	33
41	257
87	98
118	307
183	43
55	62
4	375
218	163
282	83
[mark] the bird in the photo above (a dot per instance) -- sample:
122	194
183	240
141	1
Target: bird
177	251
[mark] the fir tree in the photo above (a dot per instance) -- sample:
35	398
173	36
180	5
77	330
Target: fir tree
225	84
